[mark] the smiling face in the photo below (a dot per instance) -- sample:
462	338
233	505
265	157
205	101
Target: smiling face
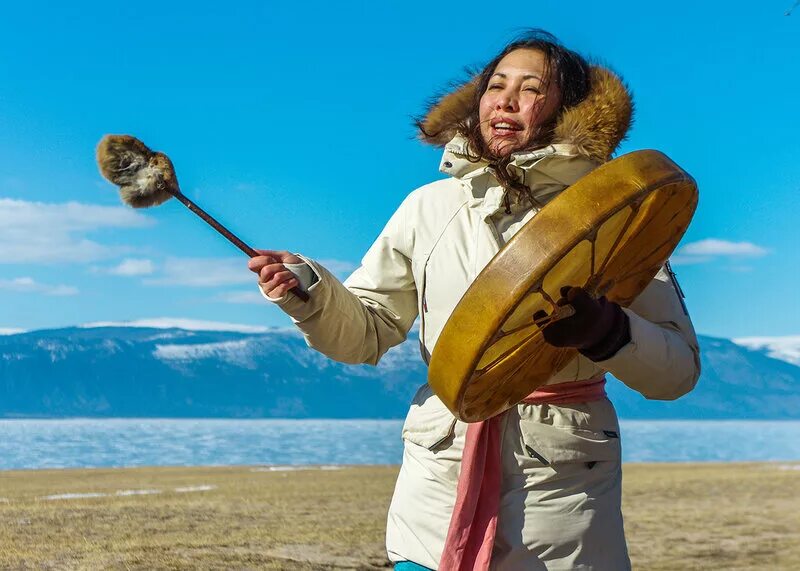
519	98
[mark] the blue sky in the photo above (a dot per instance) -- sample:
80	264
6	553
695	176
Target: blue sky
292	125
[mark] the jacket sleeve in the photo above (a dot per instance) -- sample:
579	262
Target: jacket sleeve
359	320
662	361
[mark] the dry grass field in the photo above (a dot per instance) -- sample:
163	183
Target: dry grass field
678	517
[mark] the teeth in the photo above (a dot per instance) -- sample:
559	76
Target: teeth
503	125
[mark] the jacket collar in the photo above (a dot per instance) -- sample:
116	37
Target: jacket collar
459	163
547	171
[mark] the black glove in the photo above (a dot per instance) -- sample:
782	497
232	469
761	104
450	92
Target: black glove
598	329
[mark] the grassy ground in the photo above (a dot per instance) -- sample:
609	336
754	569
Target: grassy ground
678	517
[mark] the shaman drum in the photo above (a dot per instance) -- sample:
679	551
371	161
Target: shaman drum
610	232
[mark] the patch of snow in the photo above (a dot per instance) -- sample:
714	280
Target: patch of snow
58	351
785	348
180	323
280	468
788	467
73	496
204	488
11	330
239	353
294	468
137	492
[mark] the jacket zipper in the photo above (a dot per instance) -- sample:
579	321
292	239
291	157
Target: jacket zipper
422	348
678	290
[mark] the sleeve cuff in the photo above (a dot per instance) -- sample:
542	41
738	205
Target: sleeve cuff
646	346
305	275
289	302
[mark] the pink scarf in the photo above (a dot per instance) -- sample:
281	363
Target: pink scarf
470	538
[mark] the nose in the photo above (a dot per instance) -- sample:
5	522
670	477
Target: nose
507	101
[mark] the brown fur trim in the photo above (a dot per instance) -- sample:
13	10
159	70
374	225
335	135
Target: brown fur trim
439	124
596	126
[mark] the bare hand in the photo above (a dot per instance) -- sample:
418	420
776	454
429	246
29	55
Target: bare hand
273	277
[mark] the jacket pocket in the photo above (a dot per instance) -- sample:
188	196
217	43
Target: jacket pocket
429	423
586	433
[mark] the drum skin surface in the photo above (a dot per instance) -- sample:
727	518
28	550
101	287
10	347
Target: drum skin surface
610	233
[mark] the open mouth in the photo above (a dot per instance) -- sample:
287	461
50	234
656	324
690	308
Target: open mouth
502	127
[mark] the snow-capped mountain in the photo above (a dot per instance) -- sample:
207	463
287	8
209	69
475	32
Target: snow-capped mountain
783	348
154	370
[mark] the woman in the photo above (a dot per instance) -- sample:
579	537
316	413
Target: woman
534	121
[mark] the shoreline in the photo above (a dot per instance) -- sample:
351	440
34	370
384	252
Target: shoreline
709	515
788	464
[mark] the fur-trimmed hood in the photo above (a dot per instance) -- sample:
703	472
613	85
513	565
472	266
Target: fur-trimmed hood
595	127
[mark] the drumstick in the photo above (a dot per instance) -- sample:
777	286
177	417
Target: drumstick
147	178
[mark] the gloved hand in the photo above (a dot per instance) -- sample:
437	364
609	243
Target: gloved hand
598	329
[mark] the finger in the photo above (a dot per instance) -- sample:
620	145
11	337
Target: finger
284	288
278	255
271	253
278	279
255	264
268	272
581	300
281	284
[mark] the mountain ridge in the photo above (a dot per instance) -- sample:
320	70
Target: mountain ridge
123	371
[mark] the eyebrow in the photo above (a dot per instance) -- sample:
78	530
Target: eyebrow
524	77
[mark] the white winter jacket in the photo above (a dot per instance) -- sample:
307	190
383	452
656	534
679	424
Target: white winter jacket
560	507
433	247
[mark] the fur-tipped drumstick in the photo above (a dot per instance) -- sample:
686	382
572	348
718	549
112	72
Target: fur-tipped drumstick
146	178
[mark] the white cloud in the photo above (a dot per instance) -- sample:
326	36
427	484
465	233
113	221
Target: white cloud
246	297
216	272
29	285
709	249
133	267
204	272
180	323
55	232
715	247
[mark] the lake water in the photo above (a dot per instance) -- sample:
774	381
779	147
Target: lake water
75	443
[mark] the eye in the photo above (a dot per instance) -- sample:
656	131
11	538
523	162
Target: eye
532	89
494	86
